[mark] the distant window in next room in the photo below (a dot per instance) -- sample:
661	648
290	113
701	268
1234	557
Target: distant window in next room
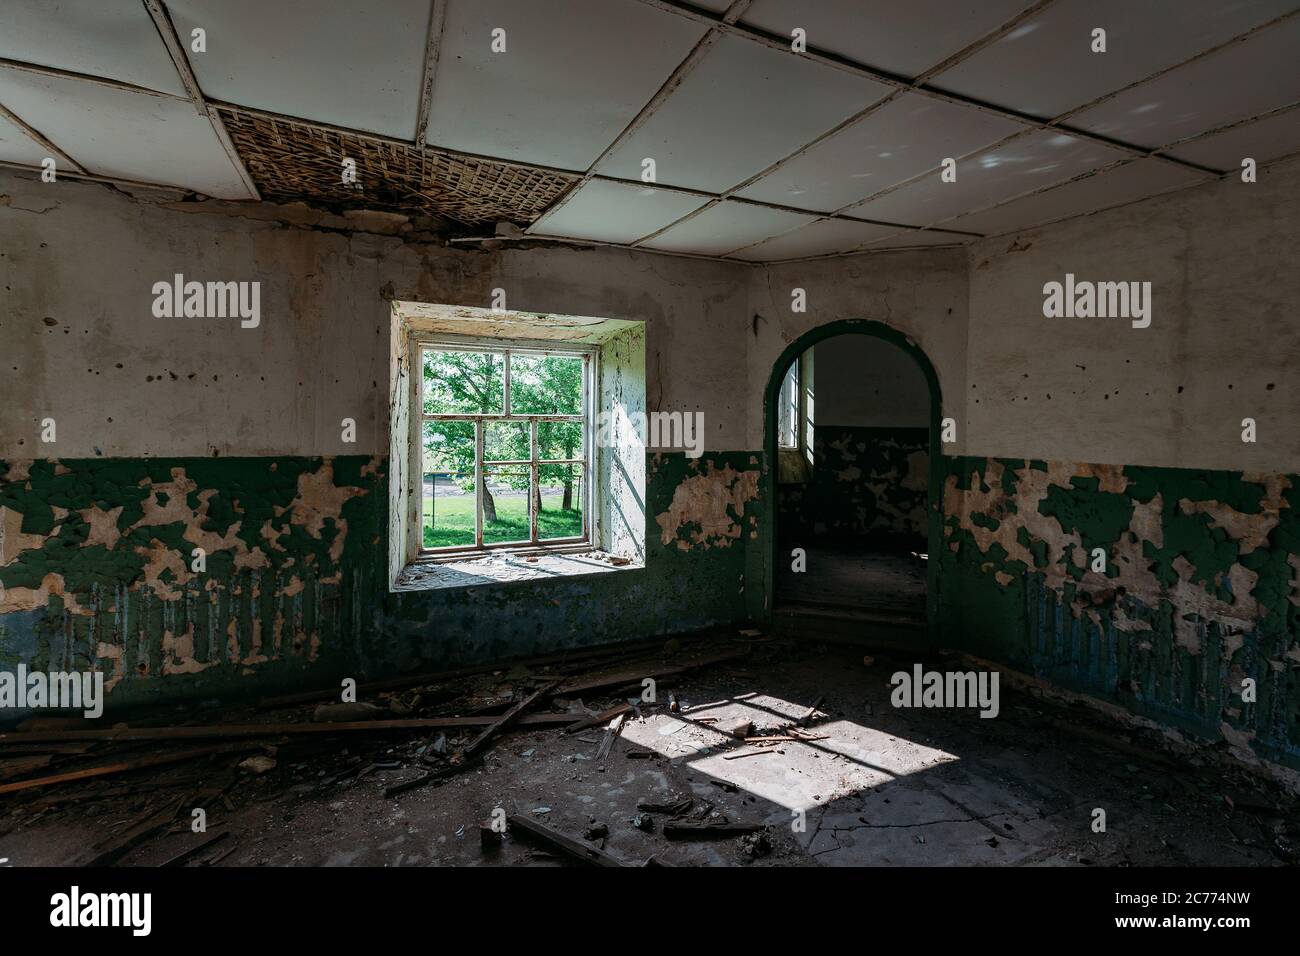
787	428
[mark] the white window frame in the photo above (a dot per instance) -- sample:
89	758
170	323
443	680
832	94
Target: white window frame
793	373
418	344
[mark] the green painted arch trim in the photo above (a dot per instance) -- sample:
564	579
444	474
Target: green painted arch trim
934	498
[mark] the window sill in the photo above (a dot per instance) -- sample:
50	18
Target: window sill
505	567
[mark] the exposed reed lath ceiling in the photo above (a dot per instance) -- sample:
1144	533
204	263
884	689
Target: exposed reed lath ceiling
299	161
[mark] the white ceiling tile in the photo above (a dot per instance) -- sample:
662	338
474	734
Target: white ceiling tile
115	39
923	237
355	66
1263	140
742	108
1046	66
114	132
726	227
616	212
820	238
574	74
903	38
1247	78
1126	183
1029	162
17	147
902	139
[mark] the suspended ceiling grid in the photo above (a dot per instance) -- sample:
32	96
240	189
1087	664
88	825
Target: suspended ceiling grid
760	153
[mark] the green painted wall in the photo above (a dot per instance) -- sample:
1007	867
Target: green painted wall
1198	593
95	571
866	485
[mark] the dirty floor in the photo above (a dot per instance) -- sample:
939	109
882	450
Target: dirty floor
878	581
868	785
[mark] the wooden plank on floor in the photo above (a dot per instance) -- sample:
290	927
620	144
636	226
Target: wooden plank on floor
570	847
125	766
220	731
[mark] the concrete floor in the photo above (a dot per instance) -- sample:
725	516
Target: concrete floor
885	787
872	580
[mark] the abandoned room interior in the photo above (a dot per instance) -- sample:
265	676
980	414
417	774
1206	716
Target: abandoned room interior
649	433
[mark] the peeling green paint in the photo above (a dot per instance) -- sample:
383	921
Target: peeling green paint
1201	588
95	573
867	484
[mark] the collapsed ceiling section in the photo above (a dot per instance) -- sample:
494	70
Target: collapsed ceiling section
291	160
757	130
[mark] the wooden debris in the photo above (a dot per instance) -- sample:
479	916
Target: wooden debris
220	731
812	711
805	736
612	731
501	723
600	718
114	848
752	753
575	849
195	850
708	831
488	837
672	809
220	856
474	748
138	763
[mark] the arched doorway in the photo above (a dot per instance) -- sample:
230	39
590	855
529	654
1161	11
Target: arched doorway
819	488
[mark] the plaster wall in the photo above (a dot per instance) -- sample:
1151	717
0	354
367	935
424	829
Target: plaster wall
81	345
922	293
866	382
1138	451
1223	342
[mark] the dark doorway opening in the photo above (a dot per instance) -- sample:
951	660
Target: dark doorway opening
854	438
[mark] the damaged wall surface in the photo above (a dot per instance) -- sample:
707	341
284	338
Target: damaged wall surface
182	433
1161	588
867	485
96	571
1137	450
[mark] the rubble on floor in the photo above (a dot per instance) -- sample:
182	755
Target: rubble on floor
737	749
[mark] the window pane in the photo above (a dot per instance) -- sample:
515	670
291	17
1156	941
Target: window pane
447	485
563	498
787	427
545	385
464	382
559	440
505	505
506	441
